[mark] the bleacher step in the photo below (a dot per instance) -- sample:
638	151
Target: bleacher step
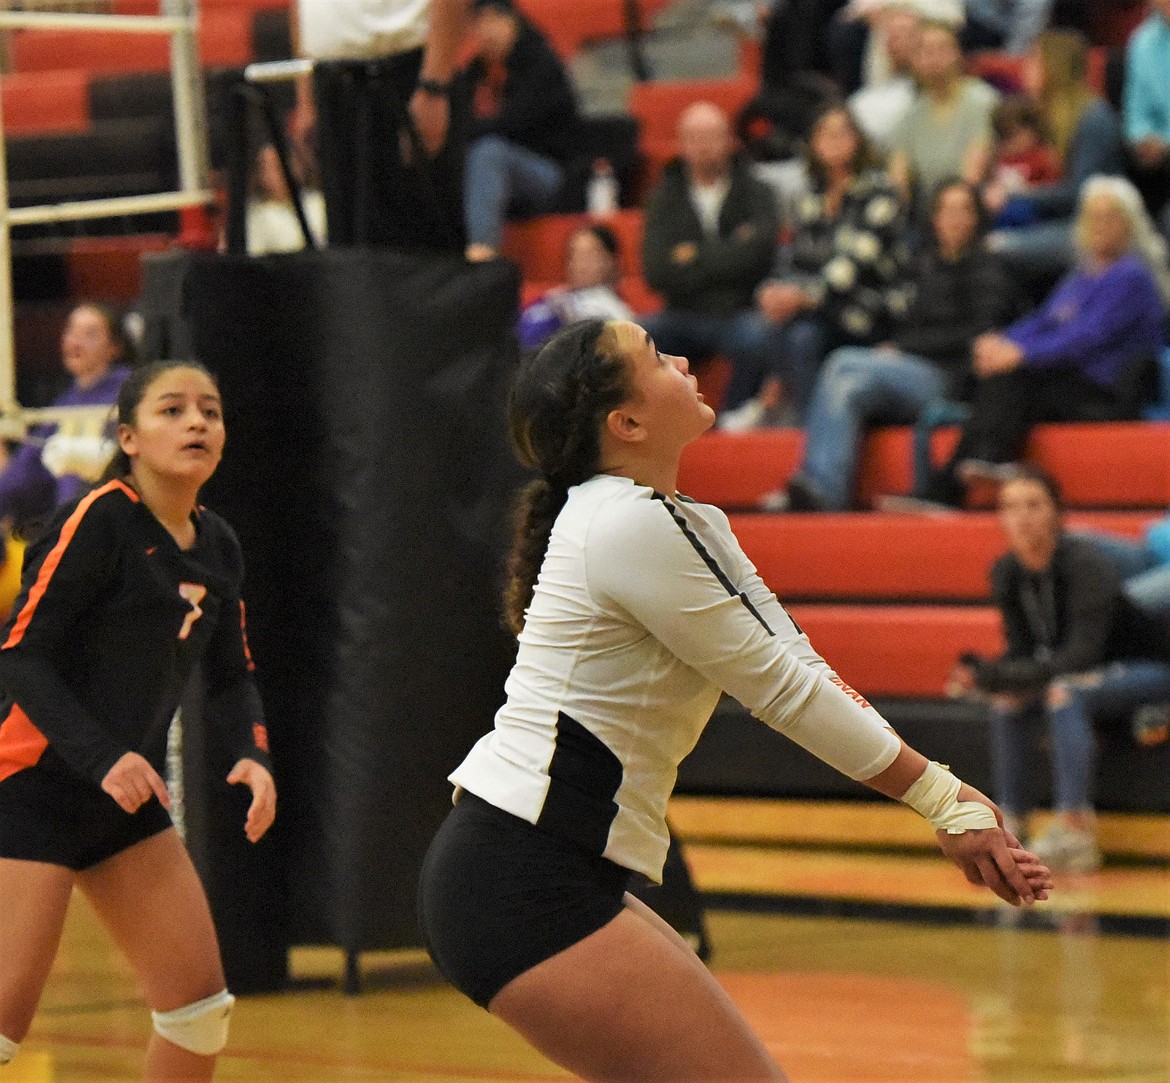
867	557
1102	465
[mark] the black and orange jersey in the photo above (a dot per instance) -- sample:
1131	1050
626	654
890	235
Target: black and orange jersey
111	619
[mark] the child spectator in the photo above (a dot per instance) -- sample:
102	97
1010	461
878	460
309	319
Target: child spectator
591	273
1024	155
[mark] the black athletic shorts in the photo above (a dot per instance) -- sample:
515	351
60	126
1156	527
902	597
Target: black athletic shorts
66	820
497	896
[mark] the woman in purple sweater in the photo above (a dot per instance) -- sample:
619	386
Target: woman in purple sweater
95	352
1075	357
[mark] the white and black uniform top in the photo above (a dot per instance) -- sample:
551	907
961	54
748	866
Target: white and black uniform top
645	610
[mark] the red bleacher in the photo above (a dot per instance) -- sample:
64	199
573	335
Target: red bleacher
225	41
866	557
902	651
569	24
45	102
1118	465
893	600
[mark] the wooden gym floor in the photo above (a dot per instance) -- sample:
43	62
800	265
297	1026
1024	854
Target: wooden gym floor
856	966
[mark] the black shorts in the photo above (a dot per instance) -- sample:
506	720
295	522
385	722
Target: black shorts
497	896
64	820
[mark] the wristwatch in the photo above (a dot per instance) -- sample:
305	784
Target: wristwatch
435	87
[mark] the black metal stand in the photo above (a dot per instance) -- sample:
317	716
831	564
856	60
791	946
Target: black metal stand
634	35
239	163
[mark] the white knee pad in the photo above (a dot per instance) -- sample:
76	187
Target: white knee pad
201	1027
8	1049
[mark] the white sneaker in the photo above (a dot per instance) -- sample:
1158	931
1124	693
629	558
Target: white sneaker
1067	849
745	417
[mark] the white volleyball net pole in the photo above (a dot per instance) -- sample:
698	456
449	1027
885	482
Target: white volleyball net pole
179	19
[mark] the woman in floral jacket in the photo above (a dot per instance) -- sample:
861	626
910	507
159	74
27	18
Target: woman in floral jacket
837	283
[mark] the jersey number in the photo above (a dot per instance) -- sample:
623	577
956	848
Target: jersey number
193	593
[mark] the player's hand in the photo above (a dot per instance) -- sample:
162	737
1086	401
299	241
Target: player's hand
262	811
431	114
132	782
993	858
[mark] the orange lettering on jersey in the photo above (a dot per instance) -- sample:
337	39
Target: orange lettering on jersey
260	736
193	594
857	697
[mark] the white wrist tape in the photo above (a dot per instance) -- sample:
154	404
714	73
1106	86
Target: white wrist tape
934	796
8	1049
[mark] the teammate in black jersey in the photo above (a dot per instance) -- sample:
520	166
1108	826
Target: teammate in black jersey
634	607
126	590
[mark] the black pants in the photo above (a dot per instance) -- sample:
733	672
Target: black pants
1004	408
372	197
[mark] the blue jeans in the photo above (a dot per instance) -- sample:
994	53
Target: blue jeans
860	386
695	336
1146	577
497	173
1113	691
794	352
934	415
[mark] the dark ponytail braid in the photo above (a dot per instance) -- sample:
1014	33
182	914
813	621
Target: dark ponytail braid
559	401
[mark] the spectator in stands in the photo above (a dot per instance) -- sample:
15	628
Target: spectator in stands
1024	154
1078	653
391	137
857	37
959	291
947	130
886	93
1086	132
1147	107
837	283
709	240
1082	355
95	352
592	259
1011	25
1143	565
272	224
525	126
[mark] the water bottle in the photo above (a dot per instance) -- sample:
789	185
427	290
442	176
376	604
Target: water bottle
601	193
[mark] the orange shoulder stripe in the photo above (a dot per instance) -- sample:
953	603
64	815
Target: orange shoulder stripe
55	555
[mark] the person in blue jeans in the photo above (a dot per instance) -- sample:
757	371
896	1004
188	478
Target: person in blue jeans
959	291
525	124
1079	653
837	283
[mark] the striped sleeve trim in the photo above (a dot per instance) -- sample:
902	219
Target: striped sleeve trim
45	575
711	562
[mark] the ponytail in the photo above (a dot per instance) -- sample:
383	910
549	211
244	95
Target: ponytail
560	398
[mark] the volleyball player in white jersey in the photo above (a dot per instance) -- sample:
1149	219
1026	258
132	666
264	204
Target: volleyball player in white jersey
635	608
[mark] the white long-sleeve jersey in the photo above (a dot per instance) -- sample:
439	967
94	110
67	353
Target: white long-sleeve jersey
645	610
